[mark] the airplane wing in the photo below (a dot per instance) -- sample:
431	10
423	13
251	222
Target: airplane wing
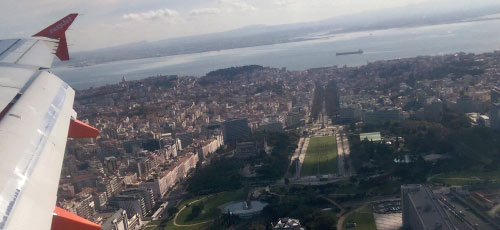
36	119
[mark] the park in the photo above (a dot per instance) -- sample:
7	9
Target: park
321	157
199	212
361	218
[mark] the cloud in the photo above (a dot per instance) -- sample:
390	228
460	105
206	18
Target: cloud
284	2
237	5
224	7
205	11
152	14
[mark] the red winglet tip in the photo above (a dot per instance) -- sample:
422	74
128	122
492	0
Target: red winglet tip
58	31
78	129
64	220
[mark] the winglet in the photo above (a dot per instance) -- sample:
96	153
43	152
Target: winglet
78	129
58	31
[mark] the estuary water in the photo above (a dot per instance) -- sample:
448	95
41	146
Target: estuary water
474	37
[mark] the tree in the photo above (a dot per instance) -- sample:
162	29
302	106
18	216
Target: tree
196	210
220	175
352	126
172	211
256	226
323	221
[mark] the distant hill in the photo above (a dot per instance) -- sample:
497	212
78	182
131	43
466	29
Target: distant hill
257	35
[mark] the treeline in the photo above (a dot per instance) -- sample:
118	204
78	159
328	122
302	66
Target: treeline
223	174
468	148
303	203
274	165
220	175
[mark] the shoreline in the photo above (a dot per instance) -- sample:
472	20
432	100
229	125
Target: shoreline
298	40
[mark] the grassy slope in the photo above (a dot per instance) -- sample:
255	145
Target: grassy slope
321	157
363	218
210	210
466	178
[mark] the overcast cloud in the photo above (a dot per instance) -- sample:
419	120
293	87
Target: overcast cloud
105	23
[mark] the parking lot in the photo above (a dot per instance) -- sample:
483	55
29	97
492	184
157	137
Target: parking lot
387	207
388	215
392	221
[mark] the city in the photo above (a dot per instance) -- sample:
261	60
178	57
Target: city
152	145
258	115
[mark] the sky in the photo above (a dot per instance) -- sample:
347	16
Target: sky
104	23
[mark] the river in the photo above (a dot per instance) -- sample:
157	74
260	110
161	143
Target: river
475	37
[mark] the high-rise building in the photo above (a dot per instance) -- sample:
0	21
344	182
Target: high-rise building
110	165
112	133
293	119
100	200
157	185
495	95
465	104
235	129
495	116
271	126
111	185
421	209
349	114
186	138
133	204
495	109
143	166
82	205
118	221
246	150
383	115
145	193
66	191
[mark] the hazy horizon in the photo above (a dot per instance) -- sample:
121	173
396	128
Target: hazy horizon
111	22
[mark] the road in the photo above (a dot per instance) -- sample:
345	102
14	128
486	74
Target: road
313	180
344	167
334	203
300	154
340	222
341	156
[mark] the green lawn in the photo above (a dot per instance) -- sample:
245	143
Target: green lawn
467	178
363	218
210	210
321	157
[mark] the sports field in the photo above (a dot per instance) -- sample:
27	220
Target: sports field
321	157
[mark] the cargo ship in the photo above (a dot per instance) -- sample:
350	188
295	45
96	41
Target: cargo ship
349	53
